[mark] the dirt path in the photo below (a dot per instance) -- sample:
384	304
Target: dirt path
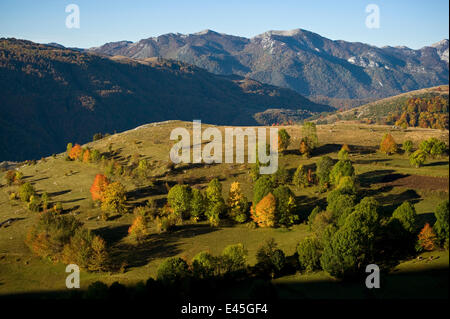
421	182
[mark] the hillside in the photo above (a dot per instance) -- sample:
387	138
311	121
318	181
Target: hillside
389	110
301	60
51	96
389	179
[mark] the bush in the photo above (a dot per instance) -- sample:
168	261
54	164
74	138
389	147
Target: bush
75	152
35	203
441	225
95	156
388	145
407	216
417	158
285	206
280	177
173	270
284	140
324	166
407	146
263	186
309	251
179	198
346	185
237	204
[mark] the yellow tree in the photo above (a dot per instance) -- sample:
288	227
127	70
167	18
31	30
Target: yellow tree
237	203
114	198
427	237
264	212
138	230
388	145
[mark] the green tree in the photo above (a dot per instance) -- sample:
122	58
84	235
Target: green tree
324	166
300	179
341	169
407	147
214	201
418	158
234	258
340	205
441	225
269	258
173	270
309	251
309	131
263	186
205	265
285	206
284	140
179	199
198	204
26	190
407	216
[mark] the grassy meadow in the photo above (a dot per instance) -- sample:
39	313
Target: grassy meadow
390	179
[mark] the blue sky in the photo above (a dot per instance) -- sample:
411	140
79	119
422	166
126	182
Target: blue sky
414	23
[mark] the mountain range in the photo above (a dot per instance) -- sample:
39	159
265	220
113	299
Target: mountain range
301	60
51	95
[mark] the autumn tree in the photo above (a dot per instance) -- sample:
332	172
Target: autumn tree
305	148
284	140
388	145
114	198
75	152
262	187
264	212
138	230
86	156
237	203
427	238
10	177
98	187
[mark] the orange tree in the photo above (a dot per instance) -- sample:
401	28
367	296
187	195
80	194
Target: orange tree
98	187
388	145
264	212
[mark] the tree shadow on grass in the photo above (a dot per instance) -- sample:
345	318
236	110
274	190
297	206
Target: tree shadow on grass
157	246
306	204
378	176
435	164
53	194
391	201
326	149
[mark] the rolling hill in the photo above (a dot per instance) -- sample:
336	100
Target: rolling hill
379	111
52	96
303	61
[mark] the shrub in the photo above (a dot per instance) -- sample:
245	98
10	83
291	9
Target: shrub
179	198
346	185
237	204
26	191
417	158
234	258
407	216
198	204
173	270
284	140
114	198
324	166
95	156
388	145
309	253
300	177
341	169
316	210
427	238
441	225
34	203
407	146
264	212
98	187
285	206
45	200
263	186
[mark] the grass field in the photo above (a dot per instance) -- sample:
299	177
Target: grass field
389	178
